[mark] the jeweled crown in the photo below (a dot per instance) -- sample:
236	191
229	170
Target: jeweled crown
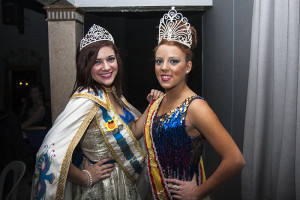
174	26
96	33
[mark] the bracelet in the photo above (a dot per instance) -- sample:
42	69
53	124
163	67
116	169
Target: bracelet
89	178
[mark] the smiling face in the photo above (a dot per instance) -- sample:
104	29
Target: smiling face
171	66
105	69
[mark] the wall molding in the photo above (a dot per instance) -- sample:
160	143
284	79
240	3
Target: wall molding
64	13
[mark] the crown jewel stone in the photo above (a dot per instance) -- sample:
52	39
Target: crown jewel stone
96	33
174	26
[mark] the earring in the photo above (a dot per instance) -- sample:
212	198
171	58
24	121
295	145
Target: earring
187	72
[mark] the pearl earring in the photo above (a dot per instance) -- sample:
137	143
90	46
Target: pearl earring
187	72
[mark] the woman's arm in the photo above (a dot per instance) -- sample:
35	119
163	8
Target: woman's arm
137	126
204	119
206	122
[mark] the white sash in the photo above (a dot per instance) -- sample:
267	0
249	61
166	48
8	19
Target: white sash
121	142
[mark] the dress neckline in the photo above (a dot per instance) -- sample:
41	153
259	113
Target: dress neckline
124	114
173	110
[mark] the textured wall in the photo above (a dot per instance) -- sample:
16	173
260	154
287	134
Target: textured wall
63	39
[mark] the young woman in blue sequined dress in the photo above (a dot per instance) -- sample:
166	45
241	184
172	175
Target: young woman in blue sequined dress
177	126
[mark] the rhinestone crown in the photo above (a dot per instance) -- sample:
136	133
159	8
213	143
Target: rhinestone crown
174	26
96	33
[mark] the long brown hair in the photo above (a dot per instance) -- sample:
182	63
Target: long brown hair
86	58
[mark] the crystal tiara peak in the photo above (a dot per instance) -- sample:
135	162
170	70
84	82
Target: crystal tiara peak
96	33
174	26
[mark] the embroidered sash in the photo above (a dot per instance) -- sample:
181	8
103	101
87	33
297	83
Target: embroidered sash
118	137
157	179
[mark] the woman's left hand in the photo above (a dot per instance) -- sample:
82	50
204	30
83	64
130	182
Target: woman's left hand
183	189
154	94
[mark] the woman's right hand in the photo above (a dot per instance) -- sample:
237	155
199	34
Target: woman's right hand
153	95
99	171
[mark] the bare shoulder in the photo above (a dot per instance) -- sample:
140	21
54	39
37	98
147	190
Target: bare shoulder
199	107
201	115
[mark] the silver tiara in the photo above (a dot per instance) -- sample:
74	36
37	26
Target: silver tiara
95	34
174	27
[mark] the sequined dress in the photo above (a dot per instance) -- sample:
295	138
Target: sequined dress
178	153
117	186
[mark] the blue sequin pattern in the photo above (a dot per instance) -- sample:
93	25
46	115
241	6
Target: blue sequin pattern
178	153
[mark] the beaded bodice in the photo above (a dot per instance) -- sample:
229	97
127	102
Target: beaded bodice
178	153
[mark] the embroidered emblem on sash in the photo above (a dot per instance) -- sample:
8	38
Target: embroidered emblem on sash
111	124
43	164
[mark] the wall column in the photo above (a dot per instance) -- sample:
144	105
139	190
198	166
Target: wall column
65	29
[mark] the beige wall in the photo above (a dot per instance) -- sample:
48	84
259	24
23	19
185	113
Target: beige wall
64	36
